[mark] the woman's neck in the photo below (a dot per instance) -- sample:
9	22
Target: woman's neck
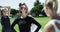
55	16
23	17
5	16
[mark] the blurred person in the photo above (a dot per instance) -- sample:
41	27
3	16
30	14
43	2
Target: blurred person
51	8
5	21
24	21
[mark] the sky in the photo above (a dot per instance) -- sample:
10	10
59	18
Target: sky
14	3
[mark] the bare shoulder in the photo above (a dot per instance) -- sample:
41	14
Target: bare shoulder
48	27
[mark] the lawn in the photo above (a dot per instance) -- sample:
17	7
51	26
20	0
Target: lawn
41	20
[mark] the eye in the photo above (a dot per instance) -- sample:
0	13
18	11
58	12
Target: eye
21	8
26	9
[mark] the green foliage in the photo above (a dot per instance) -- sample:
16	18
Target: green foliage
37	9
43	13
14	11
37	3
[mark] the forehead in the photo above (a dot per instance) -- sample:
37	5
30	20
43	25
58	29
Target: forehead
24	6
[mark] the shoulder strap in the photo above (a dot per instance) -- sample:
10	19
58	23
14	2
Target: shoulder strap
55	27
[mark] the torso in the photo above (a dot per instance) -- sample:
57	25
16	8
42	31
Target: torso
55	25
5	24
24	24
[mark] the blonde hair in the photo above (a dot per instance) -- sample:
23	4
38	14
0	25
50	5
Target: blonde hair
52	4
5	9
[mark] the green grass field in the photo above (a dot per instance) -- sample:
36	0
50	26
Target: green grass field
42	20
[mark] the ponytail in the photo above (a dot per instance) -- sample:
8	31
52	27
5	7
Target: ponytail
52	4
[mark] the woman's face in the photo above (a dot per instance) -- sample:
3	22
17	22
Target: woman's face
23	10
5	12
47	10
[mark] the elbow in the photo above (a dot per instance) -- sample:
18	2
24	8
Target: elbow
39	26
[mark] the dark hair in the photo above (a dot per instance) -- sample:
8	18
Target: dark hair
2	12
20	4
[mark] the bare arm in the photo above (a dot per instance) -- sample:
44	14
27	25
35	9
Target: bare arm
49	28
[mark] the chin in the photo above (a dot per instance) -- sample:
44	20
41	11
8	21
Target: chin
6	15
48	15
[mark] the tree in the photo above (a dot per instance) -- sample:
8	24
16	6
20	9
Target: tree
37	8
37	3
43	13
14	11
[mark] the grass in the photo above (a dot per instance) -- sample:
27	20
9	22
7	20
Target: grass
42	20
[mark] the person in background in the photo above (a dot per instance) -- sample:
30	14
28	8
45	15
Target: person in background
50	8
24	21
5	21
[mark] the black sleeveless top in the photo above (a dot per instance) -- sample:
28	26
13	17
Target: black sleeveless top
5	22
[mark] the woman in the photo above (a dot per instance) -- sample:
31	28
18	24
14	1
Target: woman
24	21
5	21
50	8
